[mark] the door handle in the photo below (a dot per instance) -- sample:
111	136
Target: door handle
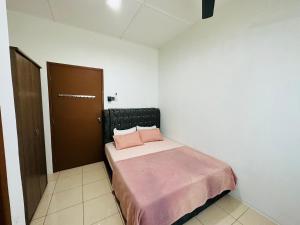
36	132
99	119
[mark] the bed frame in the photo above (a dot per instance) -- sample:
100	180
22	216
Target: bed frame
127	118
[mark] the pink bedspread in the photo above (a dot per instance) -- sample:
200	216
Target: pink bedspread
160	188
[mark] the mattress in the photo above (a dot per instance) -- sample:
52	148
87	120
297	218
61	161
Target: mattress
113	155
161	187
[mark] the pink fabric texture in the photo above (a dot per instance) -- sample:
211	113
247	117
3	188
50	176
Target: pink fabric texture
151	135
160	188
127	140
113	155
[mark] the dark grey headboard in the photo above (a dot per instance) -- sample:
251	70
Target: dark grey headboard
127	118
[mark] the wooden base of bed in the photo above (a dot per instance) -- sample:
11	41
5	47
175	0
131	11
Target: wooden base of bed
186	217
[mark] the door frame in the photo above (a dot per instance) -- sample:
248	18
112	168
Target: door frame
4	200
50	100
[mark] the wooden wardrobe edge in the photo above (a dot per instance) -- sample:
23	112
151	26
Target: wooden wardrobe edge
5	205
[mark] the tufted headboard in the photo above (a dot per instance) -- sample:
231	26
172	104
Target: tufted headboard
127	118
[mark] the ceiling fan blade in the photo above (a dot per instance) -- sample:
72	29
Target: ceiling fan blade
208	8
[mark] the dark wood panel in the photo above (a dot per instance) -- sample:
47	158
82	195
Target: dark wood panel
5	218
24	100
28	105
76	132
39	130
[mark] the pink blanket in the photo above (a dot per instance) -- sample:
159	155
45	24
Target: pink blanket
160	188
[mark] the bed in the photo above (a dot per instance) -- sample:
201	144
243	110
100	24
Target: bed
164	182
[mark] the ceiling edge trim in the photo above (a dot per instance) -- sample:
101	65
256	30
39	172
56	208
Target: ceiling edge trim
51	10
186	22
132	19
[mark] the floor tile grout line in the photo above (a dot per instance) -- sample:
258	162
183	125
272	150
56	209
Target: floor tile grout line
82	167
108	193
118	209
52	175
76	168
74	175
235	220
36	218
231	214
82	172
238	222
50	214
103	219
215	204
250	207
97	197
94	181
70	188
82	184
243	214
67	206
53	193
82	202
85	171
198	219
106	178
44	216
51	199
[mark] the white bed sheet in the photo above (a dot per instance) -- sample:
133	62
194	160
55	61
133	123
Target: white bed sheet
113	155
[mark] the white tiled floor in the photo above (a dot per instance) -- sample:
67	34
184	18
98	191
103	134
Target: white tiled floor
82	196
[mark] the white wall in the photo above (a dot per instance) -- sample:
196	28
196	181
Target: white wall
9	125
131	70
230	86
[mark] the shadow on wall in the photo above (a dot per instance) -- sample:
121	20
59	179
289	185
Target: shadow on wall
234	93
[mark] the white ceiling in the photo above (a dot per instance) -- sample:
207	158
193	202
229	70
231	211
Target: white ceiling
149	22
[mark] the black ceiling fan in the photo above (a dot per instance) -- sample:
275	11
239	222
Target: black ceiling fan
208	8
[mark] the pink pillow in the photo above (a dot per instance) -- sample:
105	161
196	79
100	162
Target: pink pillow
127	140
151	135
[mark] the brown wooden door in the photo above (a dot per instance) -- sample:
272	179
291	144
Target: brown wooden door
29	114
76	104
4	199
25	93
39	128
